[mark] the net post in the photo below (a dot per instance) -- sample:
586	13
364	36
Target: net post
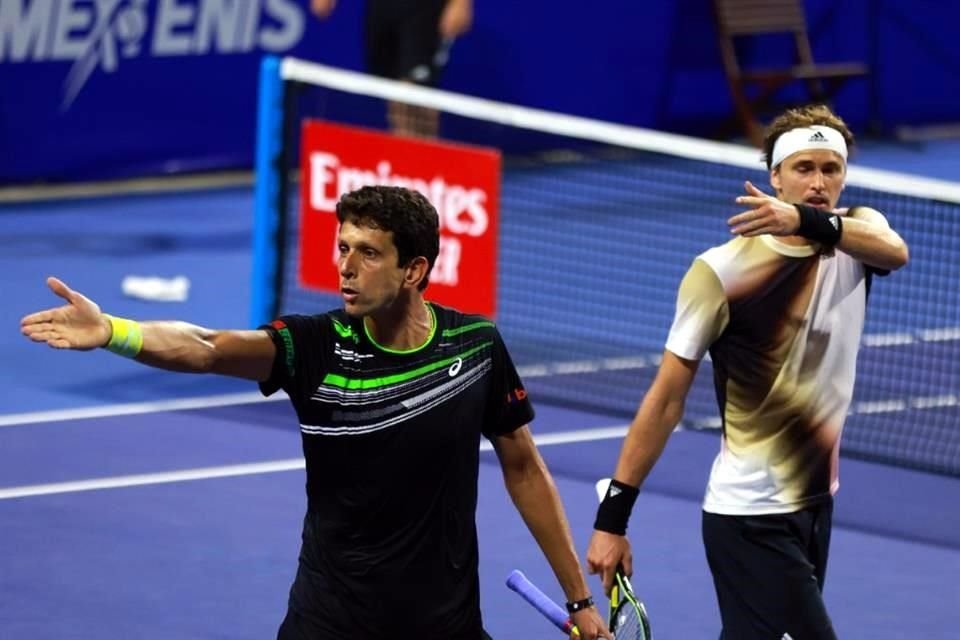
268	179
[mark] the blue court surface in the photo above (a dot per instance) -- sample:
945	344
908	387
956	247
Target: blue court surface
143	504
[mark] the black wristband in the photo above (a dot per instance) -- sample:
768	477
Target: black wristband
579	605
614	510
820	226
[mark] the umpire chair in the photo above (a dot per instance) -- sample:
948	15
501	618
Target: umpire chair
753	90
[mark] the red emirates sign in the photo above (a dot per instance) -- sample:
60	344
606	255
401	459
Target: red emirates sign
463	183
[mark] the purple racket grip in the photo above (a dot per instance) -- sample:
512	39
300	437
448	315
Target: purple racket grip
529	592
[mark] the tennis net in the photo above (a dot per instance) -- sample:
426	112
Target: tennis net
597	225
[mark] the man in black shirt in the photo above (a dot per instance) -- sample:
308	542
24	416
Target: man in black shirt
392	394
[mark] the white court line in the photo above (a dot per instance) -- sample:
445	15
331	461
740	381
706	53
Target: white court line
257	468
136	408
526	372
143	479
943	334
573	367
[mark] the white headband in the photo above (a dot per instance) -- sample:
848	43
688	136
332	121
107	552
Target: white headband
805	138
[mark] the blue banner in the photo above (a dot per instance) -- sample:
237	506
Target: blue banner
93	89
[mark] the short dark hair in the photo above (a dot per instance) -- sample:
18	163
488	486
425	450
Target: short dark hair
808	116
404	212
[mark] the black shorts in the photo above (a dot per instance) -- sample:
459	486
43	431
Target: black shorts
298	627
403	40
323	607
768	572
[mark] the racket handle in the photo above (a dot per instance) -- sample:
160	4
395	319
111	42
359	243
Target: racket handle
541	602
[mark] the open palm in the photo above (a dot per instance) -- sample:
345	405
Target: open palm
76	325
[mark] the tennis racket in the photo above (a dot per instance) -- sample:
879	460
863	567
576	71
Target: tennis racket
541	602
628	617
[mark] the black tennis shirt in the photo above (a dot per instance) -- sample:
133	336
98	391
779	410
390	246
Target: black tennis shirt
391	442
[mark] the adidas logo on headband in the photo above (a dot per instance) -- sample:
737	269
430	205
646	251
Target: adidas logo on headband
804	138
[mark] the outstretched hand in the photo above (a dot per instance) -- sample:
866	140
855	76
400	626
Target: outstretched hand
767	215
76	325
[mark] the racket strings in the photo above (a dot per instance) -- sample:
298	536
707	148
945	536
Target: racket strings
628	620
626	624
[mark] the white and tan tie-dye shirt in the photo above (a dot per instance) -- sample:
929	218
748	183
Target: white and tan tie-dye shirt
782	324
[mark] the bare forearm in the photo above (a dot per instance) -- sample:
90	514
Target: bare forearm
177	346
873	244
188	348
536	498
648	435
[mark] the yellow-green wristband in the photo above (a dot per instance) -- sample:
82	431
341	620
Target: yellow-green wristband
126	339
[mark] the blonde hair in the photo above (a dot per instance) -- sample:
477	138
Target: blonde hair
815	114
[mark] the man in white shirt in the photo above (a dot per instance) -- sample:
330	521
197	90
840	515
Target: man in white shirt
780	308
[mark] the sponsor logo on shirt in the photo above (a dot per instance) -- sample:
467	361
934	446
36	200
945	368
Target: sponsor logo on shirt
517	395
455	368
288	351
